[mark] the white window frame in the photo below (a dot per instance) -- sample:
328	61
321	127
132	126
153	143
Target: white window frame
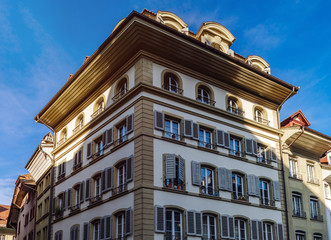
238	229
205	179
258	116
97	186
173	211
96	230
170	133
233	151
293	168
261	153
297	204
300	235
122	133
121	177
120	225
265	200
314	208
268	231
203	139
204	95
310	172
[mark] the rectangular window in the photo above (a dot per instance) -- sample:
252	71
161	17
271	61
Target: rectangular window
120	223
171	129
173	225
314	209
78	159
205	138
267	231
265	193
327	191
238	187
297	205
293	168
240	229
122	133
261	154
61	170
209	227
207	181
174	172
121	178
311	174
299	236
235	146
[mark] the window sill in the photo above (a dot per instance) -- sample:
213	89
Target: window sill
209	196
207	149
295	179
244	202
174	190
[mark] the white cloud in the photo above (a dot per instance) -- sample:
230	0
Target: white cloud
7	186
263	36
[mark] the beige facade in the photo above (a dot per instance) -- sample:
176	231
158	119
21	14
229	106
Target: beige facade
164	125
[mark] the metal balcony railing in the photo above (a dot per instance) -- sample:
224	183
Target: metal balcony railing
61	141
297	213
206	145
76	129
264	160
172	88
97	112
235	111
267	202
95	199
317	218
261	120
313	180
208	191
296	176
239	197
121	188
78	165
119	94
236	153
171	135
205	100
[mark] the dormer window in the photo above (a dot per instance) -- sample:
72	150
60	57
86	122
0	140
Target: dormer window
79	123
260	115
233	106
121	89
63	136
98	107
204	95
171	83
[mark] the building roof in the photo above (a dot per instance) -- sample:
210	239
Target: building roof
4	212
297	118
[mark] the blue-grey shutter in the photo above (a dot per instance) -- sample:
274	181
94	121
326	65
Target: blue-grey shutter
280	233
104	139
226	140
195	133
159	120
159	219
129	123
181	168
251	184
254	230
108	226
276	190
110	138
260	230
69	198
188	125
190	222
257	186
81	192
198	223
109	182
231	228
224	179
86	231
103	180
273	156
196	173
128	222
129	169
220	138
248	146
224	226
170	166
87	189
89	150
254	144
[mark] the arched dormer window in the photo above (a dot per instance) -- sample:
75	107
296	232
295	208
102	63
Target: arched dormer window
204	95
172	83
234	106
121	89
260	115
63	136
98	108
79	123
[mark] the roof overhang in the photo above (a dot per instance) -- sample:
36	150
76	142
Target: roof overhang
307	140
138	33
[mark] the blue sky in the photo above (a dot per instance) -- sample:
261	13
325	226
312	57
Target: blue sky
42	42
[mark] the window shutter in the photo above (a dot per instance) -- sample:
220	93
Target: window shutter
260	230
276	190
225	179
273	156
87	189
226	140
220	138
251	184
59	170
81	192
196	173
129	123
181	168
109	183
249	146
188	125
231	228
104	138
198	222
79	157
75	159
86	231
103	181
158	120
190	223
102	229
195	132
110	134
89	150
254	235
159	219
129	169
108	223
69	198
224	226
64	200
128	222
170	166
257	186
254	143
280	231
64	168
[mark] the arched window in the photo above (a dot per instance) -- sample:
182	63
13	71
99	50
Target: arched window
233	106
96	229
207	180
240	225
209	227
79	123
260	115
268	231
120	225
121	89
174	224
317	236
238	191
63	136
171	83
265	193
300	235
204	95
297	204
98	107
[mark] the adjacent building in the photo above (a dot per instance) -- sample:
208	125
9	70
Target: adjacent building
6	233
40	167
302	150
22	210
168	134
326	177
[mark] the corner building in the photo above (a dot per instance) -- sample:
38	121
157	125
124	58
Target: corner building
167	134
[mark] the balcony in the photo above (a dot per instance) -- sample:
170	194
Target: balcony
60	176
121	188
313	181
263	160
75	207
95	199
261	120
58	212
97	112
61	141
78	165
297	176
173	136
239	197
236	153
119	95
76	129
208	191
172	88
206	145
235	111
301	214
267	202
205	100
317	218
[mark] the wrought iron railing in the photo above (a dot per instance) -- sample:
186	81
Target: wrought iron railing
97	112
78	165
317	218
235	111
174	184
121	139
75	207
206	145
267	202
208	191
297	213
296	176
236	153
60	176
264	160
171	135
95	199
119	94
121	188
76	129
261	120
172	88
239	197
205	100
313	180
61	141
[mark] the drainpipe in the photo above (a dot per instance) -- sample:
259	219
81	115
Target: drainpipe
52	183
294	91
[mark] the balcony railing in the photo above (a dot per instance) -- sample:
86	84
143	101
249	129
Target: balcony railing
97	112
97	154
296	176
235	111
75	207
313	180
121	139
206	145
174	237
78	165
239	197
60	176
205	100
267	202
261	120
172	88
95	199
208	191
301	214
119	94
235	153
61	141
76	129
173	136
174	184
317	218
121	188
263	160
